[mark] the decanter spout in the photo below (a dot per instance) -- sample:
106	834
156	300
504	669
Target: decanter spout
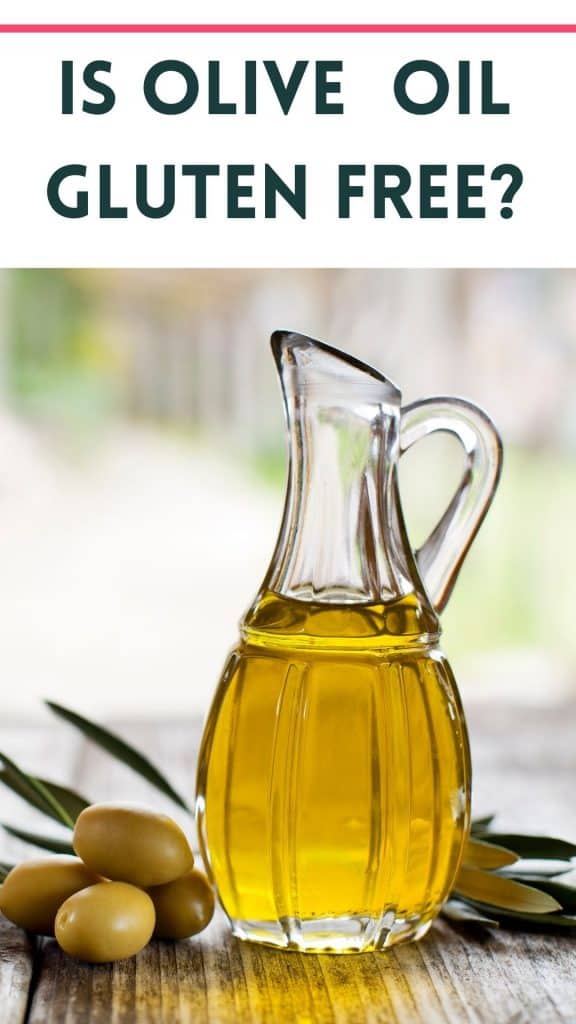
318	372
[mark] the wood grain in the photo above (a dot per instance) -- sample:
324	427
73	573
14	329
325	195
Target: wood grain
16	958
525	763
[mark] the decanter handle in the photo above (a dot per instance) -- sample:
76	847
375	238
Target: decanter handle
441	555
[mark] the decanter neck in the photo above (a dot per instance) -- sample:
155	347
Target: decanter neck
342	537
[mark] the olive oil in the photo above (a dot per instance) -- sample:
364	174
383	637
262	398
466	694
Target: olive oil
334	776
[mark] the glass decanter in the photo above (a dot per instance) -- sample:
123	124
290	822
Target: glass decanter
334	776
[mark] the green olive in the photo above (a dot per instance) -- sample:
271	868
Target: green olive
130	843
183	907
109	921
33	891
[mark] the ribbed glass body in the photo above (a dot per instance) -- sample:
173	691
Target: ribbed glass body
333	793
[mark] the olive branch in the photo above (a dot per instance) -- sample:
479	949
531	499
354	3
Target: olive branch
508	879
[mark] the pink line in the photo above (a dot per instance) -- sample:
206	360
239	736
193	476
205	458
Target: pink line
287	29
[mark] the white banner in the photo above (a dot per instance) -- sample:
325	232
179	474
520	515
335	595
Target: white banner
331	147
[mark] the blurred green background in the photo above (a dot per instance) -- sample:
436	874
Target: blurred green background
142	464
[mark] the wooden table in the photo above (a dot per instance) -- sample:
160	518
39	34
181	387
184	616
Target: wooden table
525	766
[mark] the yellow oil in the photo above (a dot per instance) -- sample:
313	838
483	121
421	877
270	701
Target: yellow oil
333	785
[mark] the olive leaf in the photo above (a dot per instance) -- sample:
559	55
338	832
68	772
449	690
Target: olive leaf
5	869
44	842
565	894
72	802
517	918
34	791
495	890
119	749
21	784
539	869
463	913
482	824
478	853
532	847
24	790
